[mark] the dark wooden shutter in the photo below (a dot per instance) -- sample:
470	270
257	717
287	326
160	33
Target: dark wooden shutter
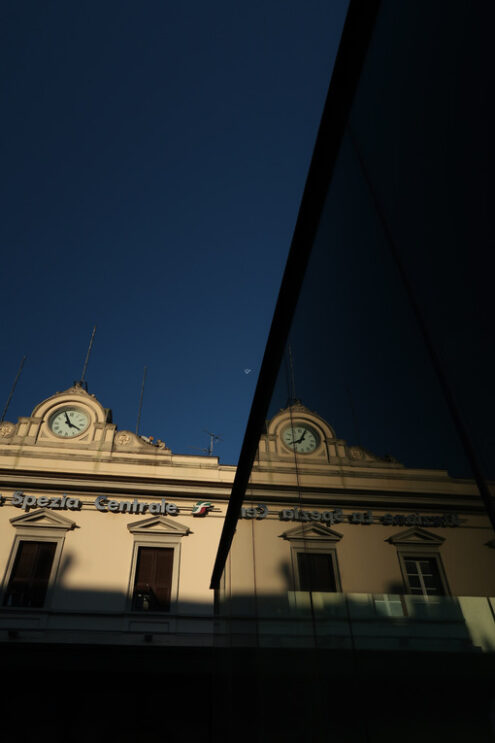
316	572
29	579
153	584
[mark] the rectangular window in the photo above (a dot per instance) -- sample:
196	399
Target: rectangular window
153	582
423	576
28	582
316	571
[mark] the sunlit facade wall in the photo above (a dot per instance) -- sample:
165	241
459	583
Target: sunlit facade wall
106	537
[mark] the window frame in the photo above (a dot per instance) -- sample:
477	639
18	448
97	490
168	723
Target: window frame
37	526
18	546
169	537
418	552
313	549
174	583
419	543
316	539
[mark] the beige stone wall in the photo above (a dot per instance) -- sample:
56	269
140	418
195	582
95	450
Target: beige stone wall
95	565
367	561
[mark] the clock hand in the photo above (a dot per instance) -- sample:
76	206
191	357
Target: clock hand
69	423
301	439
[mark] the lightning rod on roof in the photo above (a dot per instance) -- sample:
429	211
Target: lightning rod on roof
292	382
140	403
13	388
213	439
82	381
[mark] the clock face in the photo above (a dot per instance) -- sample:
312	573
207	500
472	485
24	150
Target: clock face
69	422
300	438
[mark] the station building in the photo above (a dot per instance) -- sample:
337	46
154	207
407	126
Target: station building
337	583
99	527
106	538
344	563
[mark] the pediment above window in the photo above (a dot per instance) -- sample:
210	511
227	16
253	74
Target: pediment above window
312	532
159	525
416	536
43	518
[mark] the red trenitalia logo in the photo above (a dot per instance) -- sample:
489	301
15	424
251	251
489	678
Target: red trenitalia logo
201	508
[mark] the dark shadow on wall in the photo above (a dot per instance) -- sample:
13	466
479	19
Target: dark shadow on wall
95	693
191	676
381	623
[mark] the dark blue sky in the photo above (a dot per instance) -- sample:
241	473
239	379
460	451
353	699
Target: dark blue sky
153	161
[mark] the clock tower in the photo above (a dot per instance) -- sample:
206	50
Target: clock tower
71	418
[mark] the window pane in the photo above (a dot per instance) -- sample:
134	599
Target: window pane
426	566
389	356
315	572
424	577
411	567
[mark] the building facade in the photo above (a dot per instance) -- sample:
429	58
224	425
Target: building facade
102	529
351	592
369	551
107	538
343	563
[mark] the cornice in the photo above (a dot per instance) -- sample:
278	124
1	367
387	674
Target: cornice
92	485
345	497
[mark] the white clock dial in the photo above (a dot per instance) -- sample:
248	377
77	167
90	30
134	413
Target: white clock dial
301	438
68	422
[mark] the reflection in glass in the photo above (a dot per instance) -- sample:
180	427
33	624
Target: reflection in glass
368	497
366	529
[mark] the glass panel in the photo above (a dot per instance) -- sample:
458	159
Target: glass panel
426	566
377	443
378	432
360	436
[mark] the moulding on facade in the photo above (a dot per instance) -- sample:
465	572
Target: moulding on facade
315	531
415	536
43	517
158	525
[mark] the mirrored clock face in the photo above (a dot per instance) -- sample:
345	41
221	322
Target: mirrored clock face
300	438
68	422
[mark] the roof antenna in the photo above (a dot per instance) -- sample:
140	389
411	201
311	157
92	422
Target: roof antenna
82	382
12	390
292	382
213	439
140	403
